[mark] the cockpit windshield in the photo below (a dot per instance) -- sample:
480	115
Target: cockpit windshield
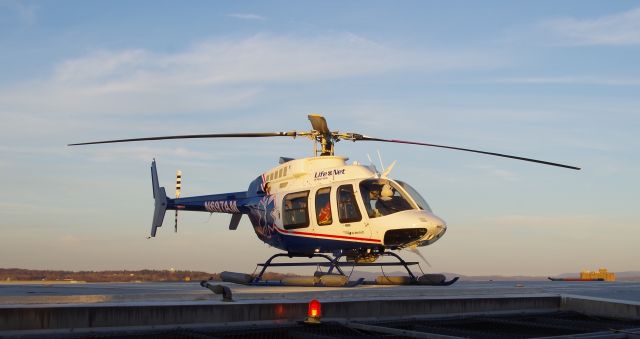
383	197
422	203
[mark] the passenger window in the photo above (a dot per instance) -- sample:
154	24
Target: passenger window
323	206
347	207
295	211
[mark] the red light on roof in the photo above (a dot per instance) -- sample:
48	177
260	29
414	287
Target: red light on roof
314	311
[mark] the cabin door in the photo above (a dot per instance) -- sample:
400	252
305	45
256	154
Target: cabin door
349	215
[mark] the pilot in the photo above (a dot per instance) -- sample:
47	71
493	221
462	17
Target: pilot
374	195
385	204
387	192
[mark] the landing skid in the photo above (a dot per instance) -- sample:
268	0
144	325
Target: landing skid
339	279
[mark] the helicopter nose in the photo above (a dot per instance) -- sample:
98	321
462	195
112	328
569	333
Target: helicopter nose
436	227
424	230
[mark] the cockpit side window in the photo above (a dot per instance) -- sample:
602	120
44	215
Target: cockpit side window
347	206
295	211
323	206
381	197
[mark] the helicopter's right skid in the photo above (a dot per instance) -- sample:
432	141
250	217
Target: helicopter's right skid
330	279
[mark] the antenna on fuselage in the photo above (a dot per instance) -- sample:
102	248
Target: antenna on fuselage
372	166
380	158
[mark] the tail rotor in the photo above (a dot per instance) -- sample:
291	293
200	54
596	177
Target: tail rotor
178	187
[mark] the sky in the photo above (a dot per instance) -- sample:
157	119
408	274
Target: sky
557	81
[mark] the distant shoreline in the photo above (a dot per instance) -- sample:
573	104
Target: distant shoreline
45	282
27	276
58	276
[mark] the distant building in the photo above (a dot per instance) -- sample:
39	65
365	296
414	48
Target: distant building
599	274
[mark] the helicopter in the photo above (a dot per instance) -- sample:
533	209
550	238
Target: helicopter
321	205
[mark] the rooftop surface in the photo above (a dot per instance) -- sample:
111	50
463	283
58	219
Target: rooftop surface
79	293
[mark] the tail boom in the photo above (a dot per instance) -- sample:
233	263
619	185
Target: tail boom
234	203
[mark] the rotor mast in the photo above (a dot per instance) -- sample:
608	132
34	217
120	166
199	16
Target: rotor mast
322	135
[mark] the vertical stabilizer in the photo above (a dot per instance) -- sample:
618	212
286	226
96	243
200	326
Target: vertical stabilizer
160	197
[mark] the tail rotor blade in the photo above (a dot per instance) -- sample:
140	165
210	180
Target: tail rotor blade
178	189
176	224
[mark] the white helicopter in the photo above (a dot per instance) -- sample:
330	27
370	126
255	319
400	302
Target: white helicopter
320	205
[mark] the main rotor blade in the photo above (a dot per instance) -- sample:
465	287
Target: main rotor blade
319	123
197	136
417	252
366	138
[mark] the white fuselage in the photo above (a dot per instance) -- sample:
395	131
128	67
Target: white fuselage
324	202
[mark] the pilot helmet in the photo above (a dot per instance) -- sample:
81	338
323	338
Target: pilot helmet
386	193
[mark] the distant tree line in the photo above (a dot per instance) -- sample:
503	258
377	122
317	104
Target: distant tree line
19	274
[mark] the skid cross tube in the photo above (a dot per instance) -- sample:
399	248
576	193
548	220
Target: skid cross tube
332	262
335	263
401	262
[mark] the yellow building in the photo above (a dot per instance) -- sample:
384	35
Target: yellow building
599	274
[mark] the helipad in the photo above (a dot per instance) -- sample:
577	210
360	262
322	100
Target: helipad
38	309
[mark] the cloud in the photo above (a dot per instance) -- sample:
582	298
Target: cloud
119	92
213	74
26	12
570	80
144	153
261	58
617	29
246	16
